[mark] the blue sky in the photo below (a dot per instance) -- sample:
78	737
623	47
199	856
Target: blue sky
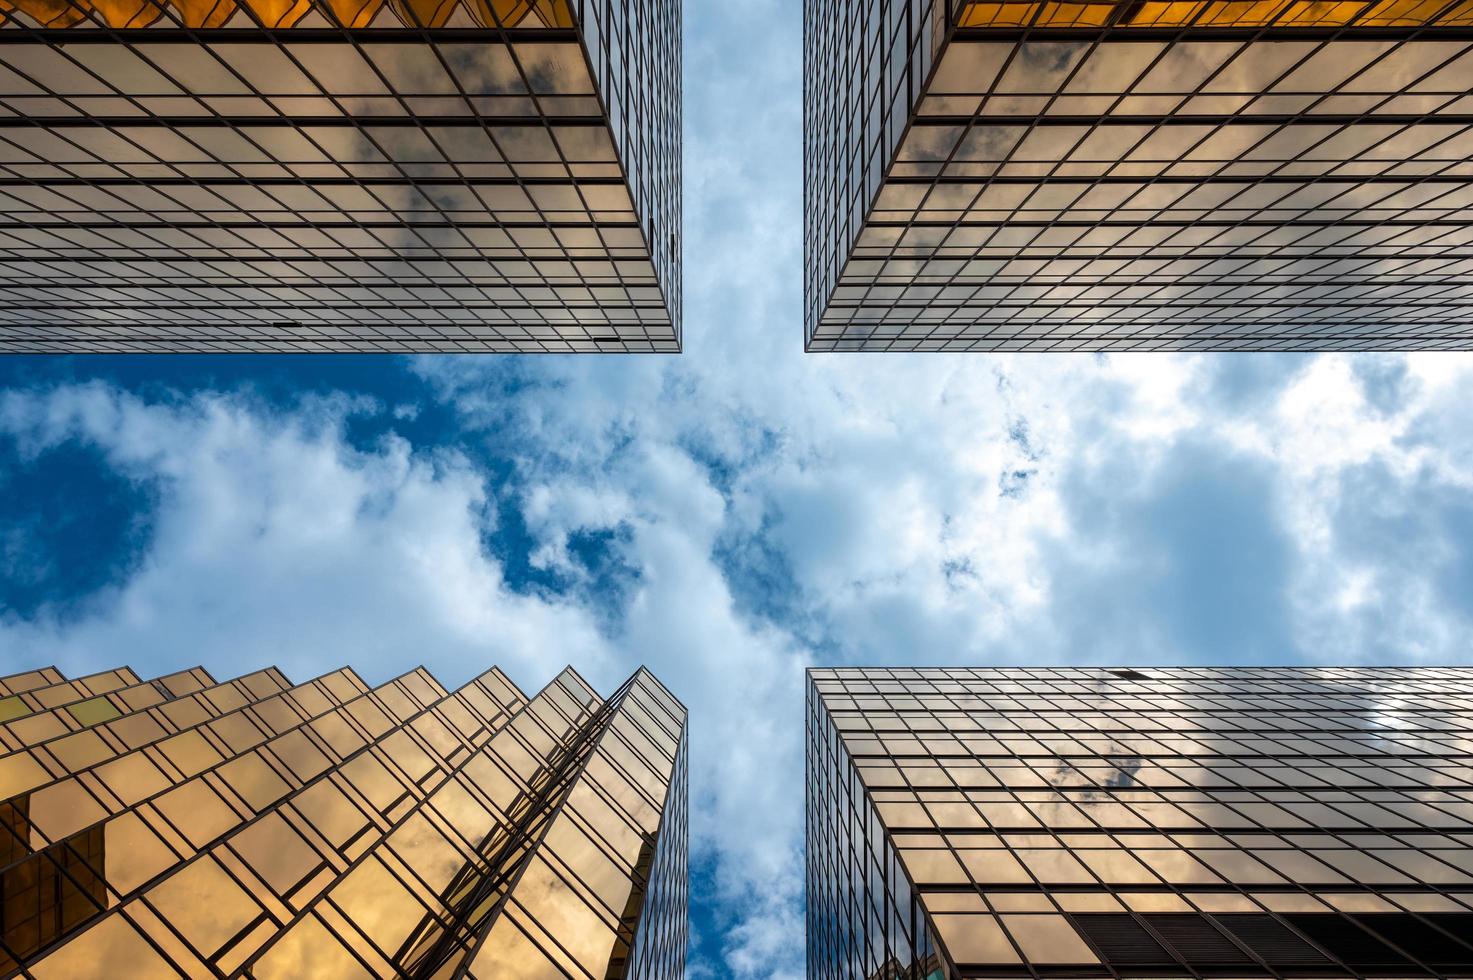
735	514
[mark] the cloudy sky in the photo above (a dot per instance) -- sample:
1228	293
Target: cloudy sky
737	513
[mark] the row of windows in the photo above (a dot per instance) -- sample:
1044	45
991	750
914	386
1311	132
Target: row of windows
527	149
344	321
1198	681
504	202
1208	13
139	69
1177	733
430	340
1116	65
1134	773
374	14
30	680
1382	810
86	702
1140	200
43	701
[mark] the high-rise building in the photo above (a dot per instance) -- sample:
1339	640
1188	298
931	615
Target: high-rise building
1164	174
1241	822
339	175
259	828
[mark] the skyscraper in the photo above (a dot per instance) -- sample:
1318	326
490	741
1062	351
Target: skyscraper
1183	822
339	175
1167	174
184	827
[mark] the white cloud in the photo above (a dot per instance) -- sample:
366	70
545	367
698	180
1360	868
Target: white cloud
274	541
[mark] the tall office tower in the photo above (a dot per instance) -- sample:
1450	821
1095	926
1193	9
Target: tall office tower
339	175
1150	175
184	827
1247	822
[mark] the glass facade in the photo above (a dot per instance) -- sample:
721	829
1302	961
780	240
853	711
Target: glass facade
262	829
339	175
1168	175
1183	822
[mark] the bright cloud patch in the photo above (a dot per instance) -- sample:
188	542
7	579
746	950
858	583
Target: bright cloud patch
274	541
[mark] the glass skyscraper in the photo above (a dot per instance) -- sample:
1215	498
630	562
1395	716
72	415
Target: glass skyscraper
258	828
339	175
1158	174
1175	822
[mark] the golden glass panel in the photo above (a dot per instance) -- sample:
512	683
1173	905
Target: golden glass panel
79	751
47	13
1363	868
1116	867
132	853
308	949
204	904
1054	866
559	911
1048	939
190	752
276	853
975	939
132	778
197	812
587	861
426	851
62	809
933	867
460	810
994	868
255	782
371	778
330	812
507	952
20	773
378	903
11	708
110	950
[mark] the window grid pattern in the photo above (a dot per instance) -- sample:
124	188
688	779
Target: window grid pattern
573	903
863	917
1185	822
29	680
169	732
662	934
84	703
51	696
359	840
410	176
1194	175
